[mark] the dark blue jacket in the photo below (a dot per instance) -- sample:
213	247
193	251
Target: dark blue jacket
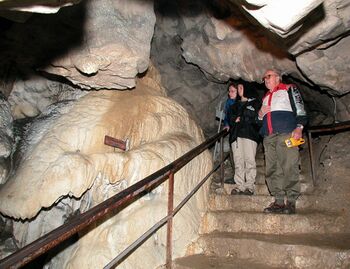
228	104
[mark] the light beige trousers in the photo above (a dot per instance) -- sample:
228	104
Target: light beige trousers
244	151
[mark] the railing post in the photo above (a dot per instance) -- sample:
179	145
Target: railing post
309	140
169	244
222	161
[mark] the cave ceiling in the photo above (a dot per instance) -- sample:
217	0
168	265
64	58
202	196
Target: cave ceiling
107	43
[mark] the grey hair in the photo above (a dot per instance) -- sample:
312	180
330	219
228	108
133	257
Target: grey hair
277	71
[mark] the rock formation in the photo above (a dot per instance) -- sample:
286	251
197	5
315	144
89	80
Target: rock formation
30	97
67	166
6	137
36	6
95	44
56	70
282	17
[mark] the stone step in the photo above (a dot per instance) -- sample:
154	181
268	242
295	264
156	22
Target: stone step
261	189
260	176
304	176
260	162
256	203
213	262
253	222
281	251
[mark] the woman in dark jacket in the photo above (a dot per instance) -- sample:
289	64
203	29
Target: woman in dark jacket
244	138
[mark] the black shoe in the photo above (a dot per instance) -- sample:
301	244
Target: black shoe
274	208
248	192
236	192
289	208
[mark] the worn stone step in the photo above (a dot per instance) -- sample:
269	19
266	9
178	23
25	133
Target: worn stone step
213	262
256	203
260	177
304	176
261	189
281	251
260	162
253	222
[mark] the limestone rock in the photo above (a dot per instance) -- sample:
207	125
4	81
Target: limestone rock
332	173
115	49
321	45
327	25
280	16
329	68
183	82
232	49
75	164
36	6
94	44
6	138
6	132
8	245
30	97
343	108
312	31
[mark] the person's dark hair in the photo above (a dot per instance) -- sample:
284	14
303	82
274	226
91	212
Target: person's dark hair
234	84
249	89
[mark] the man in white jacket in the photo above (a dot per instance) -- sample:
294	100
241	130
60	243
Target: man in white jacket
283	117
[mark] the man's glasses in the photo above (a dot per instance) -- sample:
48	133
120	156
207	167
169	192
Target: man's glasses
268	76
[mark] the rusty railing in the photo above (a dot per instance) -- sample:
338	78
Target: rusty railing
322	129
42	245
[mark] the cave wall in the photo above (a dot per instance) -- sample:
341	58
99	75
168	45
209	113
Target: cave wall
56	64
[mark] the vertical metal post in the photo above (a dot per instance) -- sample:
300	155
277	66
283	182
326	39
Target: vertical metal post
222	161
309	140
169	245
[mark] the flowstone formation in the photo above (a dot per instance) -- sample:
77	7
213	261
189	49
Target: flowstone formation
67	169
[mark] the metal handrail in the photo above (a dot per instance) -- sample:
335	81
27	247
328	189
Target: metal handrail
339	126
117	260
118	201
322	129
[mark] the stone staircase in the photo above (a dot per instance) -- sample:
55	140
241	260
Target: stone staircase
236	234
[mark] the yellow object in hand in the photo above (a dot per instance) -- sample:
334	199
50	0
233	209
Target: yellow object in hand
292	142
